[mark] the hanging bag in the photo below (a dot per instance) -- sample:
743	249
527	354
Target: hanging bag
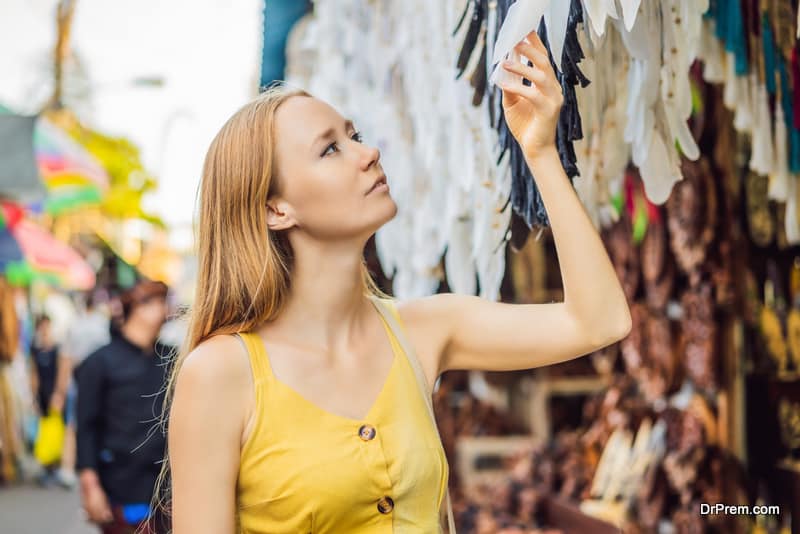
49	439
383	308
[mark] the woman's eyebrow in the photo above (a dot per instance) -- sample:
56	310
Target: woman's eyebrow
348	125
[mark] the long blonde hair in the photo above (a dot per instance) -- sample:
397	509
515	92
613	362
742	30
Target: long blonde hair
244	268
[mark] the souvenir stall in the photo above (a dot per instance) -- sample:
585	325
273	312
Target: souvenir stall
681	135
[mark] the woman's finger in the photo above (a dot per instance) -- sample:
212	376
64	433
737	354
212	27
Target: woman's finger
546	81
537	42
531	73
528	92
539	58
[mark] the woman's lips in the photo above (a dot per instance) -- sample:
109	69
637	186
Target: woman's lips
379	185
379	188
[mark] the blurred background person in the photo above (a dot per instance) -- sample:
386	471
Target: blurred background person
87	333
120	390
49	377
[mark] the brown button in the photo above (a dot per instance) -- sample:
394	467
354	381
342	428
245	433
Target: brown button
367	432
385	505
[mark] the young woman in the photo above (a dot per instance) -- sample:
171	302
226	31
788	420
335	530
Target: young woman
295	406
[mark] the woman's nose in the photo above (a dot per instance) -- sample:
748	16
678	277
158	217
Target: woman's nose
371	156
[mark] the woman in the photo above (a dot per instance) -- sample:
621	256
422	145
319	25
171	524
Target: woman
296	408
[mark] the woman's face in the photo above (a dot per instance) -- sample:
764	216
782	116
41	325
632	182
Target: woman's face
325	173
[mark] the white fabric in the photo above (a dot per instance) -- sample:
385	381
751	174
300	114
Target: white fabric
390	66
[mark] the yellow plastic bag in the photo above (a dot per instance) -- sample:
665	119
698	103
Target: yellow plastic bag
49	439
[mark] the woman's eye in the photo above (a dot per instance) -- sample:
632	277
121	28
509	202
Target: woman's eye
328	148
357	137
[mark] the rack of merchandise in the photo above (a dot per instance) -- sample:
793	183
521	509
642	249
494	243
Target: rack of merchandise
686	159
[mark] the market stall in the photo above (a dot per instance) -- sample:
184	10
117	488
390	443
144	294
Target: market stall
680	132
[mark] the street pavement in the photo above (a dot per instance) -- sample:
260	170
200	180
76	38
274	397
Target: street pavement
33	510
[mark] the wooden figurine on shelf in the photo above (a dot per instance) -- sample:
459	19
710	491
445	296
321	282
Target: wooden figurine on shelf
793	318
772	330
789	418
691	217
759	217
623	466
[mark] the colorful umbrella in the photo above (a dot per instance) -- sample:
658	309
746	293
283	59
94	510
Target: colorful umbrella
50	258
73	176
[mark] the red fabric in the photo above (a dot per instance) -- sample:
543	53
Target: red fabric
12	213
795	82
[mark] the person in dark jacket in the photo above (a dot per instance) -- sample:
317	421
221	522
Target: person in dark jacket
120	396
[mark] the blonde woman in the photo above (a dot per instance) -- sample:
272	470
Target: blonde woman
296	406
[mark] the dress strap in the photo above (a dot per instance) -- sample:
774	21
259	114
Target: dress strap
388	310
389	313
259	361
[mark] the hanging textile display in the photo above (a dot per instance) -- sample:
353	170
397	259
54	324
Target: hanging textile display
751	49
387	65
511	22
419	79
640	113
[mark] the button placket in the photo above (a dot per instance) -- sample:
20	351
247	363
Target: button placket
373	448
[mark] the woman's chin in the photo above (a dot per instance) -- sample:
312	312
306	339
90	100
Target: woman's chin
386	214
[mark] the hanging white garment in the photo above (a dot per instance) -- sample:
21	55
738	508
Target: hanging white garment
597	12
556	17
798	24
711	53
779	177
761	157
602	154
522	18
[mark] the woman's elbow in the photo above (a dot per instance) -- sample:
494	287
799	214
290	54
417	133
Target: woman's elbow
611	331
620	328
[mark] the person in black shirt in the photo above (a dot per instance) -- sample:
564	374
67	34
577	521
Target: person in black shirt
120	396
46	363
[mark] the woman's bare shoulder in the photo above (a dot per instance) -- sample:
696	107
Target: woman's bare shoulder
220	362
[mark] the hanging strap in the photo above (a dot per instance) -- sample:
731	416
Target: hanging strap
383	307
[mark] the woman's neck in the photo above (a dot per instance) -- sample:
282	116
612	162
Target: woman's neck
326	299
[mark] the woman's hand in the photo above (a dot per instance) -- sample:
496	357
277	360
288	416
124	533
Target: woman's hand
532	112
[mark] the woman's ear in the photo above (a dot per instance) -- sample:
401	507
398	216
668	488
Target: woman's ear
279	215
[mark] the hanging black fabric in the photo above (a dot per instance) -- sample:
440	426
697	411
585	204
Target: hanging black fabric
525	198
